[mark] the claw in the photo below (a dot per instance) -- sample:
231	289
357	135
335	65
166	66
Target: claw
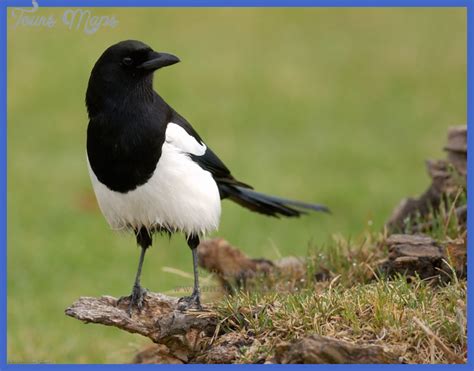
136	299
188	302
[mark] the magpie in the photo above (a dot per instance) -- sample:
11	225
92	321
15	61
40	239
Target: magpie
150	170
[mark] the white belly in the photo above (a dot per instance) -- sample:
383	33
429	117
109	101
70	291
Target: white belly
180	196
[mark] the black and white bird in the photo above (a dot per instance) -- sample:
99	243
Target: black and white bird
150	170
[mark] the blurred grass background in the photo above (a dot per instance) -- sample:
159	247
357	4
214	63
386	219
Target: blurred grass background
337	106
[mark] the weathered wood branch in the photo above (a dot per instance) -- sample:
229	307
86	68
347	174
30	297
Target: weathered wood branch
159	320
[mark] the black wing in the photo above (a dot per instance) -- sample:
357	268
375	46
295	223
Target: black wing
209	160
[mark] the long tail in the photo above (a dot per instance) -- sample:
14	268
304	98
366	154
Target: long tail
266	204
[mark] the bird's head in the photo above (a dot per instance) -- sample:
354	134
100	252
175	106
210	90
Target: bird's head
125	68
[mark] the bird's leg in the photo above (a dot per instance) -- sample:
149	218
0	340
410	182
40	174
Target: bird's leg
195	299
138	292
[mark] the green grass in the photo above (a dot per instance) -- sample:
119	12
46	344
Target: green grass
337	106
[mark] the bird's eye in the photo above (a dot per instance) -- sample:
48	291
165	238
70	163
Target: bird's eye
127	61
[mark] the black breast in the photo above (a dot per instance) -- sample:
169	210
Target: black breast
124	147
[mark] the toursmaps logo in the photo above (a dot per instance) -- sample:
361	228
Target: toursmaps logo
73	19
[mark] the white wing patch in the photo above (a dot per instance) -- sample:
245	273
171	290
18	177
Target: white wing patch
180	195
179	138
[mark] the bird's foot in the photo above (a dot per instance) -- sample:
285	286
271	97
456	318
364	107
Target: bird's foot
136	299
192	301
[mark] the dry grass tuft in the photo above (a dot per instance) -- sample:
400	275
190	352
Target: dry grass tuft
382	313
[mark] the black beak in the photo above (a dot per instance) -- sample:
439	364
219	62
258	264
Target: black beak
157	60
